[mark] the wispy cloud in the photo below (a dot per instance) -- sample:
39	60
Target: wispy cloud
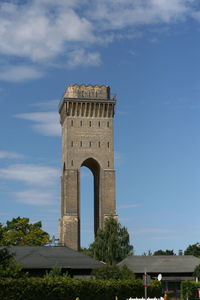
120	14
170	237
128	205
10	154
30	174
80	57
70	28
46	123
19	73
35	197
46	105
153	230
57	21
119	158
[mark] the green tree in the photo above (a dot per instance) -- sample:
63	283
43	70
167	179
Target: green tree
112	243
197	272
8	265
1	231
113	272
193	250
19	232
166	252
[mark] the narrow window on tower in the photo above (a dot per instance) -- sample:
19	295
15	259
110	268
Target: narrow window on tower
81	123
99	144
81	143
99	124
108	164
90	144
108	145
72	163
72	143
108	124
90	123
72	123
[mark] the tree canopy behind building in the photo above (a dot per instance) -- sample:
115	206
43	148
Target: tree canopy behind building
193	250
164	252
19	232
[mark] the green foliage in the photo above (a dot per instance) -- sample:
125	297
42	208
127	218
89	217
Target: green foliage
19	232
166	252
86	251
113	272
112	243
197	272
8	265
148	253
193	250
62	288
189	289
56	271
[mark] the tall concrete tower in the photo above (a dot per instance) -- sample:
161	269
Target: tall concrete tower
86	117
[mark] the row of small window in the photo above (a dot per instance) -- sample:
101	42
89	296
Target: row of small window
72	163
90	144
89	123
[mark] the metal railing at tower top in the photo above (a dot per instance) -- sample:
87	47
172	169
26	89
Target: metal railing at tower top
112	97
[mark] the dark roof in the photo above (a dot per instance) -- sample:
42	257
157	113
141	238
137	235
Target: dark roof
161	264
46	257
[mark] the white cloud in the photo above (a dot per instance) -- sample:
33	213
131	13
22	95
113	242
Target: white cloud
125	13
31	174
128	206
42	30
39	30
19	73
35	197
119	158
9	154
47	123
47	105
80	57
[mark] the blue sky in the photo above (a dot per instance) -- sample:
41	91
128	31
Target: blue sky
148	51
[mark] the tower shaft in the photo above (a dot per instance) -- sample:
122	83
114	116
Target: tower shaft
86	116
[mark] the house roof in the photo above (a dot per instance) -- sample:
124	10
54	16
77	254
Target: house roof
46	257
161	264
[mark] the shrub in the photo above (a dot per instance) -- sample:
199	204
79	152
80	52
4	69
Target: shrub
113	272
189	289
63	288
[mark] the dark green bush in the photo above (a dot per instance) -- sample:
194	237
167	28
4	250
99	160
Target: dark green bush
189	289
113	272
68	289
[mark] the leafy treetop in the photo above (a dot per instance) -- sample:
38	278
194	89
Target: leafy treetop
193	250
166	252
19	232
111	244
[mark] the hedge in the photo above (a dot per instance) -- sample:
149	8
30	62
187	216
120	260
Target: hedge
68	289
189	289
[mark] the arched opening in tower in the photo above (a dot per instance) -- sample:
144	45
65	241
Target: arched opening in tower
89	201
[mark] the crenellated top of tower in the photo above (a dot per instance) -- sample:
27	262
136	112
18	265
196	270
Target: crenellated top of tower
87	91
86	101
